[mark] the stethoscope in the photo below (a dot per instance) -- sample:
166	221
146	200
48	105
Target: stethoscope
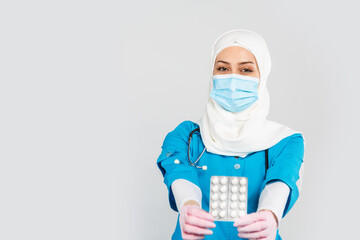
193	163
205	167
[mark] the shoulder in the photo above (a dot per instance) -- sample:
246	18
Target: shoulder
186	127
296	137
293	144
180	134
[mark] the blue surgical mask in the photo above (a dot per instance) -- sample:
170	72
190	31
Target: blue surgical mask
234	92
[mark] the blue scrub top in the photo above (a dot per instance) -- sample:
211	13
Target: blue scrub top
285	159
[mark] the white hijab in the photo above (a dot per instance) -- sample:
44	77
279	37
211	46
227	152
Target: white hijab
241	133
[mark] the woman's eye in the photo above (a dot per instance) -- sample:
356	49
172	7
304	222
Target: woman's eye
221	69
246	70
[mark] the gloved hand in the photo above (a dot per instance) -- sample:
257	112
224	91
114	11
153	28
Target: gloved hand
259	225
194	221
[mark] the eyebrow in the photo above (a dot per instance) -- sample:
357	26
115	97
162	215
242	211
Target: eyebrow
238	63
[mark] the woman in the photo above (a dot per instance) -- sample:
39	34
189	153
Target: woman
233	138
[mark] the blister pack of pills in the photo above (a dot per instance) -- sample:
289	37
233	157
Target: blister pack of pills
228	197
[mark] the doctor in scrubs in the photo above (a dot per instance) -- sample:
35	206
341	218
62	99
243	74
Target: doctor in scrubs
233	138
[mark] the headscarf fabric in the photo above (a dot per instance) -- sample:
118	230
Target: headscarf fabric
241	133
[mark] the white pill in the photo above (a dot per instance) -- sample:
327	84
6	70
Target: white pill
214	205
233	205
242	213
234	189
222	213
215	180
215	196
215	188
242	205
214	213
223	189
233	214
233	197
234	181
243	181
223	180
223	197
223	205
242	197
242	189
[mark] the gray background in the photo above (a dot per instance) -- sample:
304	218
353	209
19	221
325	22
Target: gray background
89	90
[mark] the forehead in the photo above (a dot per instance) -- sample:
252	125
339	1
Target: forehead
234	53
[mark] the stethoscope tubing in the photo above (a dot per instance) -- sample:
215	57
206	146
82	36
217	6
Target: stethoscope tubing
193	163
